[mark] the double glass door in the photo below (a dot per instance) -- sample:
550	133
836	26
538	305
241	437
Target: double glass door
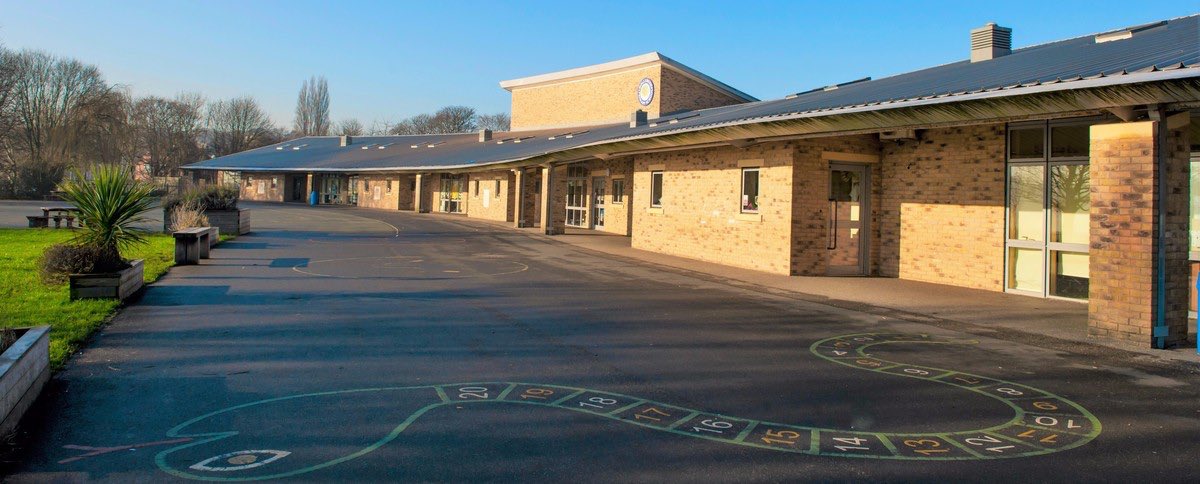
577	197
451	194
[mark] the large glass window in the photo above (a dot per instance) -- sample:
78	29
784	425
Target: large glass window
656	188
750	190
1049	202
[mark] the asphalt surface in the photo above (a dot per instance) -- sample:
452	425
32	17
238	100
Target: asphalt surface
351	345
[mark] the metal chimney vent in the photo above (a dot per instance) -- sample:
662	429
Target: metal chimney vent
638	118
345	141
990	41
485	135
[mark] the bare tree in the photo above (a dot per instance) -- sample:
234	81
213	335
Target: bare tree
312	108
494	122
237	125
166	131
58	106
448	120
350	127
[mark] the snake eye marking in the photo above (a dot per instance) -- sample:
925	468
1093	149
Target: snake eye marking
239	460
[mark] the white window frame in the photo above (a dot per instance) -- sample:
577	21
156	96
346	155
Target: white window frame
617	193
758	189
661	187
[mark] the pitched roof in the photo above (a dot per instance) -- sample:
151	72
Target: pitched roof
1164	51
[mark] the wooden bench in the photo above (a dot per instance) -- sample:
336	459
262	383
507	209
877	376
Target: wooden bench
191	245
214	237
59	215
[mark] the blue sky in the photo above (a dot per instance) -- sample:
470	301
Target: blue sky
389	60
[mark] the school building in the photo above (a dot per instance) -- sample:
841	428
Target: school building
1069	169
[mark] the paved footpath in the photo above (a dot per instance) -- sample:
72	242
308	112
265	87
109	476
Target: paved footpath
340	345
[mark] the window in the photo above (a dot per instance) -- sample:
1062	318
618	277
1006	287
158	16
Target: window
496	190
412	184
656	188
618	190
274	182
476	188
262	187
749	190
1049	202
389	187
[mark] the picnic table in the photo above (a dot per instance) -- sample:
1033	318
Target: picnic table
58	214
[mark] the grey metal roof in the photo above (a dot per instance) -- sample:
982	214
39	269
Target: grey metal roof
1167	51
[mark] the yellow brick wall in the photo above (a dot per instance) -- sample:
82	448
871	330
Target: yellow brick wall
942	209
700	216
251	182
607	98
398	198
487	202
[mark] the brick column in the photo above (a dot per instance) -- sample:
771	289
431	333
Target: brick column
518	198
1131	286
419	193
554	217
308	187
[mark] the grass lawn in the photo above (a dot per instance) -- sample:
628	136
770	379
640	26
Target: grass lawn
26	301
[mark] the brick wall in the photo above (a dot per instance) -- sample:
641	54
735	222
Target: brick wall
1124	232
488	196
605	98
942	207
682	93
810	198
617	216
531	197
251	182
398	197
700	216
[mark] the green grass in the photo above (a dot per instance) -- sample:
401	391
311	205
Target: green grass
26	301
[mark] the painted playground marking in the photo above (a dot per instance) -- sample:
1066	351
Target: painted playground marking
1042	422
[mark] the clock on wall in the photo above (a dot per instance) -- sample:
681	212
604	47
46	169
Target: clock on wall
645	91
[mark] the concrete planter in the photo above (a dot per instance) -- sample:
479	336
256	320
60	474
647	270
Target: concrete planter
235	222
24	370
116	285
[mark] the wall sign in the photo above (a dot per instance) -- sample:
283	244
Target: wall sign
646	91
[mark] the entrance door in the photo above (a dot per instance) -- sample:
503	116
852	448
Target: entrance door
598	184
849	233
298	194
577	202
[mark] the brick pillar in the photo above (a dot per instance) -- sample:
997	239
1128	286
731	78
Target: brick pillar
1127	232
308	187
419	193
554	217
518	198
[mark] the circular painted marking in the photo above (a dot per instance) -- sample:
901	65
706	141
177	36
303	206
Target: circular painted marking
1042	422
645	91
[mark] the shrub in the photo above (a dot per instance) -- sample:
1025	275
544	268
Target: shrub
109	204
212	197
61	260
187	215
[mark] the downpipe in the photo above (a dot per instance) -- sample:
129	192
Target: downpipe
1160	331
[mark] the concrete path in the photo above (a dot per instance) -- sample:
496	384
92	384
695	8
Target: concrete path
13	213
349	345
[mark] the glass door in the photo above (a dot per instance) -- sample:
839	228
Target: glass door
352	191
848	222
451	194
598	186
577	197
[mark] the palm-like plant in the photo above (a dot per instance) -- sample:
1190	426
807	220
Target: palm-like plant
110	204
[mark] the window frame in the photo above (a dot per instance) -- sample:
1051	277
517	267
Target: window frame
757	189
661	188
496	193
617	197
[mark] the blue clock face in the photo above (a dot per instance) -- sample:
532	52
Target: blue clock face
645	91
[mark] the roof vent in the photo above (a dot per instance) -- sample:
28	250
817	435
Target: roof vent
345	141
990	41
1126	33
485	135
638	118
